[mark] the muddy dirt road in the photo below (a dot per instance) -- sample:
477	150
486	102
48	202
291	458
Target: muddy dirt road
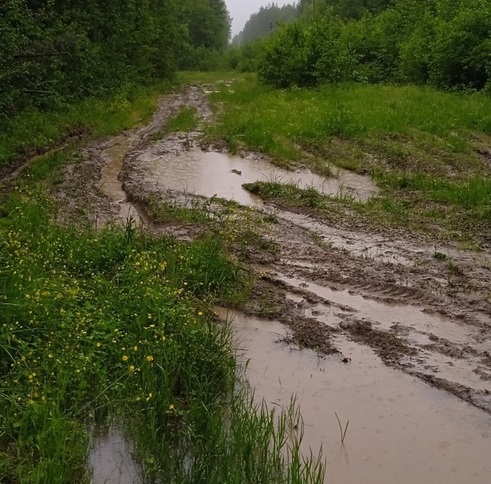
400	324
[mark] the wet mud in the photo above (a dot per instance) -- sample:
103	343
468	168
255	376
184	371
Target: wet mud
400	323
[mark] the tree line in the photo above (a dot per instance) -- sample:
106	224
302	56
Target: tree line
55	51
445	43
263	22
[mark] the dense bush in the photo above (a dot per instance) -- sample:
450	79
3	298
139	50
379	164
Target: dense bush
447	44
56	51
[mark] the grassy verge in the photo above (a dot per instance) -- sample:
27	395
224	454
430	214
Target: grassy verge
34	132
428	151
117	324
238	227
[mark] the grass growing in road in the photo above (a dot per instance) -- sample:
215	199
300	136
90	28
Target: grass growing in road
184	120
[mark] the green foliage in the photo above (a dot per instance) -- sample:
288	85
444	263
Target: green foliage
246	57
289	60
347	9
443	43
206	28
307	56
461	54
58	52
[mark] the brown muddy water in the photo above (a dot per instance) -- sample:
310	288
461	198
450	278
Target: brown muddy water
386	315
111	459
400	429
222	175
110	185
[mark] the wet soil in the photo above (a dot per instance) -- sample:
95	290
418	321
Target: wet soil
406	311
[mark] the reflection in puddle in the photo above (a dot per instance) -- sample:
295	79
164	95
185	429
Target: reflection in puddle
111	459
211	173
401	430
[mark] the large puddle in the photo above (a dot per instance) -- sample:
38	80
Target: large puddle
400	429
412	325
217	174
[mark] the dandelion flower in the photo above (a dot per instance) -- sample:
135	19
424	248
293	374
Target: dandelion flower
124	358
149	358
171	406
200	313
135	348
131	368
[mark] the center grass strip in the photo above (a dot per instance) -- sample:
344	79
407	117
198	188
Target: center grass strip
115	325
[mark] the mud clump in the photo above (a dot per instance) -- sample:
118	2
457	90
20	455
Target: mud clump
386	345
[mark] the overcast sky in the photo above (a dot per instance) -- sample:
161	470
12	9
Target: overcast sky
241	10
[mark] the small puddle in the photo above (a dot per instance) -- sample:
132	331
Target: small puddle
388	314
111	459
218	174
400	429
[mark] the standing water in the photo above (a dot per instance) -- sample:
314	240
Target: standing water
211	173
400	430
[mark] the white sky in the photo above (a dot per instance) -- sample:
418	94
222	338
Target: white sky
241	10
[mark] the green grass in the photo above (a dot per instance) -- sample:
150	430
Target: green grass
184	120
272	120
35	132
117	324
419	145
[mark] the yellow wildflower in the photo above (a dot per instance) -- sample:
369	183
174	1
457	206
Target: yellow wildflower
124	358
149	358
